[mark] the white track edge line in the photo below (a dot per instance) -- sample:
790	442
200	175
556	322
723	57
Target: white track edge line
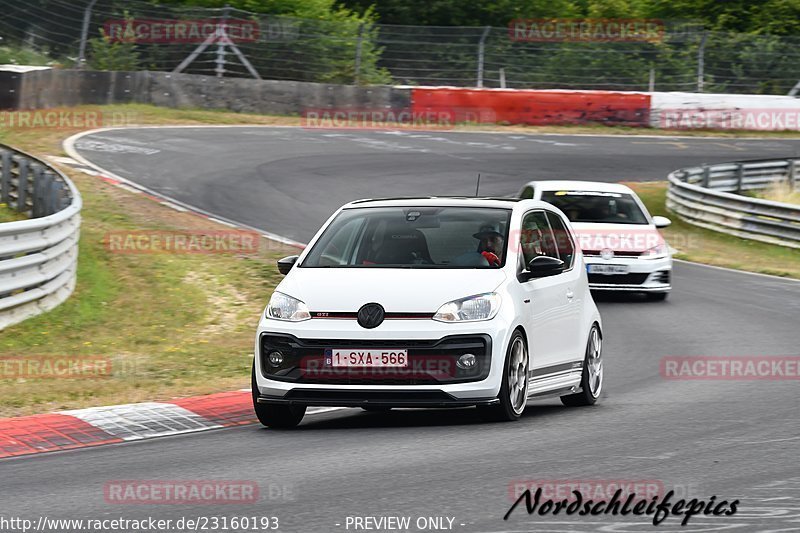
727	269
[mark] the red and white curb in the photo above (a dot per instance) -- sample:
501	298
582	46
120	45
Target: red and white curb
95	426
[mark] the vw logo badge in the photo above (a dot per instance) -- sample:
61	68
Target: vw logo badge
371	315
607	253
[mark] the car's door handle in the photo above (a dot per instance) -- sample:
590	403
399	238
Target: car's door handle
570	294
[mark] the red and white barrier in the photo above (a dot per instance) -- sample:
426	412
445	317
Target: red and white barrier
675	110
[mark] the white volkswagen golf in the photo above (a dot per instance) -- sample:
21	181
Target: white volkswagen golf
430	302
620	240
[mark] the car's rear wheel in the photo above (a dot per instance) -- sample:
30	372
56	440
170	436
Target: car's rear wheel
275	416
592	376
514	387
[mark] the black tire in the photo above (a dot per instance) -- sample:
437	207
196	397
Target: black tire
657	296
506	410
275	416
376	409
589	394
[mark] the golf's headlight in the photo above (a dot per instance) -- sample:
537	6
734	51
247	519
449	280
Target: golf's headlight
656	252
470	309
284	307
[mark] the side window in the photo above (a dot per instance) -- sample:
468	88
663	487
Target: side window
536	237
563	240
527	193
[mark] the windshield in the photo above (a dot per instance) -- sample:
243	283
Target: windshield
413	237
596	206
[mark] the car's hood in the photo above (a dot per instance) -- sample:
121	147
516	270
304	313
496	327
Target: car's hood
397	290
617	237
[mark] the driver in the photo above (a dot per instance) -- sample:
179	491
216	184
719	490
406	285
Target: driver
492	243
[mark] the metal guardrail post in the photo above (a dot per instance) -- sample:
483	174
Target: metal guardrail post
47	186
739	177
792	177
22	185
36	204
5	177
706	175
56	196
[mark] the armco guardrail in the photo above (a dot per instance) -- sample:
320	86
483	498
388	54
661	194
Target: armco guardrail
38	256
707	196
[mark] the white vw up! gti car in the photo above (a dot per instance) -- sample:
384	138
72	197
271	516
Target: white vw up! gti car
620	240
430	302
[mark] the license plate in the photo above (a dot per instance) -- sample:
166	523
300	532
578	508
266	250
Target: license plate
358	358
607	269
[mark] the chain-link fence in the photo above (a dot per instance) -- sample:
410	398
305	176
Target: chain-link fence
136	35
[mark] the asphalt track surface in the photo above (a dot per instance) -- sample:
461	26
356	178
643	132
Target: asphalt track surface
289	180
731	439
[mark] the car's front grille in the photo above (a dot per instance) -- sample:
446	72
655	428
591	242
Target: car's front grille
430	361
619	279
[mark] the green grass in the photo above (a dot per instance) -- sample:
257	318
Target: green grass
171	324
778	192
9	215
713	248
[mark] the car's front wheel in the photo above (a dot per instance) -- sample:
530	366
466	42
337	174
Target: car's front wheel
275	416
514	387
592	377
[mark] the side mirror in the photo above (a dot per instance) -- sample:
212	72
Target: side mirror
543	266
286	264
661	222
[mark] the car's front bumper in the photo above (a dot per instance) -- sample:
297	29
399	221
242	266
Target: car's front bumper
481	391
373	398
644	275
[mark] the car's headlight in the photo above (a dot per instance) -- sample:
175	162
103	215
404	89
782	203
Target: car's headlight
656	252
469	309
284	307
